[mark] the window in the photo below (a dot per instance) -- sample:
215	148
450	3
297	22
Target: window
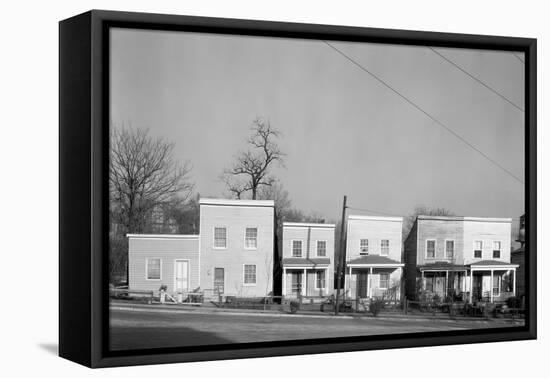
384	280
219	280
249	275
449	249
220	237
153	269
251	238
496	286
296	248
496	250
320	279
364	247
478	249
385	247
321	248
430	249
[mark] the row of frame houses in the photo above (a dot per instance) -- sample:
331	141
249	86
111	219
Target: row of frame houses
235	254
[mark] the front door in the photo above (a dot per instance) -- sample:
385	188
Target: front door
296	283
219	280
362	285
182	276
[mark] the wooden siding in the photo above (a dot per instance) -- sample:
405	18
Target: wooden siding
236	219
168	250
375	230
440	231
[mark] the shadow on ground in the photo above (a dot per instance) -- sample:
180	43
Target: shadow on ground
52	348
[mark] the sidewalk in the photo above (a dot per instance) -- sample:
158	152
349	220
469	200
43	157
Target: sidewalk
208	310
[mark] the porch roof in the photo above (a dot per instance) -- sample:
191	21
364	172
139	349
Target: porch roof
300	261
492	264
443	266
373	261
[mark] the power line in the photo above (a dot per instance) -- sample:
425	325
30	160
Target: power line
438	122
477	80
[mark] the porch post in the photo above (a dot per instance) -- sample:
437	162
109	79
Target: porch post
471	285
514	282
446	284
304	283
284	281
491	290
423	282
369	283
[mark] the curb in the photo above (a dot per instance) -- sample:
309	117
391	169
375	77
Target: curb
311	316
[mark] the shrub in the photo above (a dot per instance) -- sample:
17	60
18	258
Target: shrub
294	306
376	305
513	302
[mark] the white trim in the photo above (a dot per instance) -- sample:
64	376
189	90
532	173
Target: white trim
308	225
235	202
147	269
324	271
161	236
255	275
292	248
317	248
375	218
426	249
445	249
214	238
257	239
474	250
188	274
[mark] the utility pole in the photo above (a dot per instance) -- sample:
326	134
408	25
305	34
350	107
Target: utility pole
341	264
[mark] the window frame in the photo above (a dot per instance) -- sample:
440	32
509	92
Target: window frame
214	238
382	247
454	249
292	248
317	279
481	249
317	248
147	269
245	238
361	252
426	249
498	280
387	281
499	249
255	275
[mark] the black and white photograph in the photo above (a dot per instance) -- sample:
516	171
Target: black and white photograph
266	189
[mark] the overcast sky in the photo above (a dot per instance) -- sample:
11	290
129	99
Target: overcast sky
343	131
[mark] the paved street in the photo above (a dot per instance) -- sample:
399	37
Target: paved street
137	329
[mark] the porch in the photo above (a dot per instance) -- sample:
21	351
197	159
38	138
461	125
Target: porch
373	277
483	281
306	278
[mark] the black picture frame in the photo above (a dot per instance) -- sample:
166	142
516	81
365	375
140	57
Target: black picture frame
83	196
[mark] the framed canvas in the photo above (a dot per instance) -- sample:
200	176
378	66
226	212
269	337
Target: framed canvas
236	189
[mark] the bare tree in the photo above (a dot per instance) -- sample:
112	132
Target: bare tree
422	210
143	174
251	170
